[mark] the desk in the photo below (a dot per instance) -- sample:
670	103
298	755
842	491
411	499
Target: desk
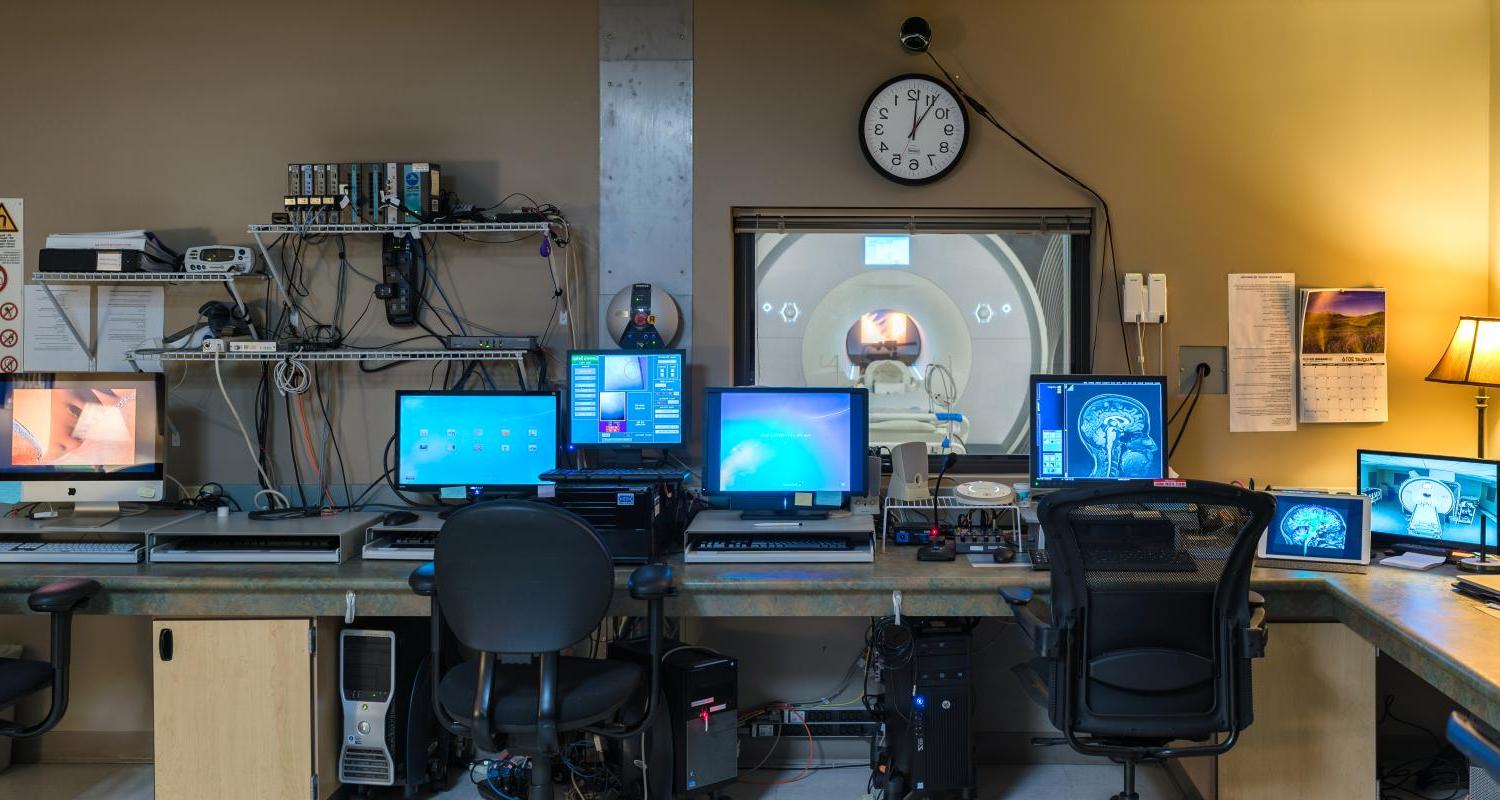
1412	617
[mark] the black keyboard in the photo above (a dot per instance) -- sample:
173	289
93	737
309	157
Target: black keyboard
617	475
735	544
1040	561
213	544
1144	560
418	541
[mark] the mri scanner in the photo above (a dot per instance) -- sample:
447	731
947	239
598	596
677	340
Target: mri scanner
1427	502
943	344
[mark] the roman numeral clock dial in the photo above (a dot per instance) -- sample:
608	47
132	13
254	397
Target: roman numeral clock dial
914	129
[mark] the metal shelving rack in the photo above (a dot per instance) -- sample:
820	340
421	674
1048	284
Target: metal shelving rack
948	503
334	355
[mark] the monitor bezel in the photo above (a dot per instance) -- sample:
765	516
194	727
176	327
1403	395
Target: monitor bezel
1404	538
1039	482
681	353
157	470
859	445
483	487
1262	549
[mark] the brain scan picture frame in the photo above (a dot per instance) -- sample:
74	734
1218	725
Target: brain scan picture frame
1318	528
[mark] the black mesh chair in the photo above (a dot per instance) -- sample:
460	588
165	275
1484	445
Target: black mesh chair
21	677
529	579
1153	624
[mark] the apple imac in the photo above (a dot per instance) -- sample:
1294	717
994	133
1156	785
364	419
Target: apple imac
785	452
625	399
93	439
1096	429
479	442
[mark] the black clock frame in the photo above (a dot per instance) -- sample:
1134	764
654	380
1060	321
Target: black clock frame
963	113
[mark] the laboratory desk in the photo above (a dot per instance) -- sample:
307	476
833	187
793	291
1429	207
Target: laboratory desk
1316	685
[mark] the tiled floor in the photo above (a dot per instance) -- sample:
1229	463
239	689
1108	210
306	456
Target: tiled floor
1033	782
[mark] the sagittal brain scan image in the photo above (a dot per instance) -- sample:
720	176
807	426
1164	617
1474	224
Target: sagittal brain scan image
1117	431
1311	527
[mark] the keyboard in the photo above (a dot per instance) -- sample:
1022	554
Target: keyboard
617	475
71	552
391	546
731	544
249	549
1040	561
1142	560
408	541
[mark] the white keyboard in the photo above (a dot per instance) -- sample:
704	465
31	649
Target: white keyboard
71	552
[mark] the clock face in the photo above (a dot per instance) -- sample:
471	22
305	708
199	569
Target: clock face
914	129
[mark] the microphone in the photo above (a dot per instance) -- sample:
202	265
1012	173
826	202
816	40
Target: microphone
916	35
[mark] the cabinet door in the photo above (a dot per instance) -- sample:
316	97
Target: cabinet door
233	709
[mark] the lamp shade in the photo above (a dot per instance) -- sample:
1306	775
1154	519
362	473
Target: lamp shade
1473	356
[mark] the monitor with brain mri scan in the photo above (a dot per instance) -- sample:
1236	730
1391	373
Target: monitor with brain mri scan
1097	429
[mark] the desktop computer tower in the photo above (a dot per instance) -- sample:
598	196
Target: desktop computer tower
932	742
701	689
391	737
633	520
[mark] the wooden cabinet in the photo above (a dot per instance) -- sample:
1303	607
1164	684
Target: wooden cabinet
245	708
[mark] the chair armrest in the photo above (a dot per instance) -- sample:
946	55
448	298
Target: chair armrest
1476	744
651	582
1253	638
64	596
1042	635
423	580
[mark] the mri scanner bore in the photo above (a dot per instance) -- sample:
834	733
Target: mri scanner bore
1432	498
940	328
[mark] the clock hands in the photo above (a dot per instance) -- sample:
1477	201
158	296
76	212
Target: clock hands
914	122
915	125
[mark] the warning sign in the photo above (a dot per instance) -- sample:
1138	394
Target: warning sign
9	364
8	311
8	223
12	264
9	337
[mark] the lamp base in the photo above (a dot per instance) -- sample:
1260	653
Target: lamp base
1486	566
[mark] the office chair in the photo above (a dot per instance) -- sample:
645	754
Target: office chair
1479	743
1152	625
529	579
21	677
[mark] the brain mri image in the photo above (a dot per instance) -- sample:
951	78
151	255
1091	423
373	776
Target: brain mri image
1117	431
1311	527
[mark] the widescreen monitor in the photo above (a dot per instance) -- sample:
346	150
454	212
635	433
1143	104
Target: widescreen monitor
1094	429
626	399
1438	500
477	441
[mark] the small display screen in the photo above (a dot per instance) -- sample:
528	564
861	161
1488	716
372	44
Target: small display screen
216	254
625	399
1317	526
1429	498
1097	429
66	425
475	439
887	251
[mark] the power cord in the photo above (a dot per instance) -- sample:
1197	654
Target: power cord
274	495
1199	373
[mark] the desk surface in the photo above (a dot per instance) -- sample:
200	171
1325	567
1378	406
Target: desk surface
1414	617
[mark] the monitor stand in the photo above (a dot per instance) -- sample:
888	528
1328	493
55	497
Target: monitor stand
86	515
783	515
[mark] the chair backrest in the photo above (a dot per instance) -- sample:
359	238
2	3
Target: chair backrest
1152	652
521	577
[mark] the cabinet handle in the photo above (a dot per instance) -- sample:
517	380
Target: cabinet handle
164	644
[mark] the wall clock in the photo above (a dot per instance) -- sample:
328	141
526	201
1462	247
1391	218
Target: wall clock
914	129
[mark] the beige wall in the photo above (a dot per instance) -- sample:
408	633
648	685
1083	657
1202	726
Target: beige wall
1347	142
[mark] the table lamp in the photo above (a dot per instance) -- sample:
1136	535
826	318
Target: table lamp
1473	359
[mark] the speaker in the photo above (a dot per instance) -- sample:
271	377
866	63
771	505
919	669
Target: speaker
872	477
909	472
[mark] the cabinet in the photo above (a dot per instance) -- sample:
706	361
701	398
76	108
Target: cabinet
245	708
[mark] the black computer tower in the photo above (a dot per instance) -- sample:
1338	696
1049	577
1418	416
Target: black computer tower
931	737
633	520
391	737
701	688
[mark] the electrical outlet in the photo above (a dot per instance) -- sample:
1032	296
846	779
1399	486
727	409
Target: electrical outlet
1217	359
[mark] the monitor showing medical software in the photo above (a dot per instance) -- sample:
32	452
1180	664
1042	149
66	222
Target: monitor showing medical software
779	442
1422	498
625	399
1316	526
475	440
1097	428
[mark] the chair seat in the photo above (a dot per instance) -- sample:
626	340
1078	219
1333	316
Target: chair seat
589	690
19	678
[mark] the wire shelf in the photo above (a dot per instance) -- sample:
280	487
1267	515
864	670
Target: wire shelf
140	277
332	355
1009	512
430	227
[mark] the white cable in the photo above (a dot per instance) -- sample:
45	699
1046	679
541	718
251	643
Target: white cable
292	376
274	495
1140	345
1161	345
180	488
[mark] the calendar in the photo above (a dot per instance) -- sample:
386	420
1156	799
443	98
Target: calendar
1342	361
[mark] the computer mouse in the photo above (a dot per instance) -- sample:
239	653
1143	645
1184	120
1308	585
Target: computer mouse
394	518
1003	555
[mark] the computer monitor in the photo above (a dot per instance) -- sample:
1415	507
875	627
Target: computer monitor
793	452
1424	499
1093	429
625	399
475	441
93	439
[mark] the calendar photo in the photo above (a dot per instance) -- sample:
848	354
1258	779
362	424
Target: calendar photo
1342	359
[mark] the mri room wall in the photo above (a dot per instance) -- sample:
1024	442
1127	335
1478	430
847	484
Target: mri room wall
1347	142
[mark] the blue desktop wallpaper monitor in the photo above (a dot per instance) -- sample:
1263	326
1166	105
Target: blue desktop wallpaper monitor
475	439
1317	526
625	399
779	442
1097	428
1434	499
